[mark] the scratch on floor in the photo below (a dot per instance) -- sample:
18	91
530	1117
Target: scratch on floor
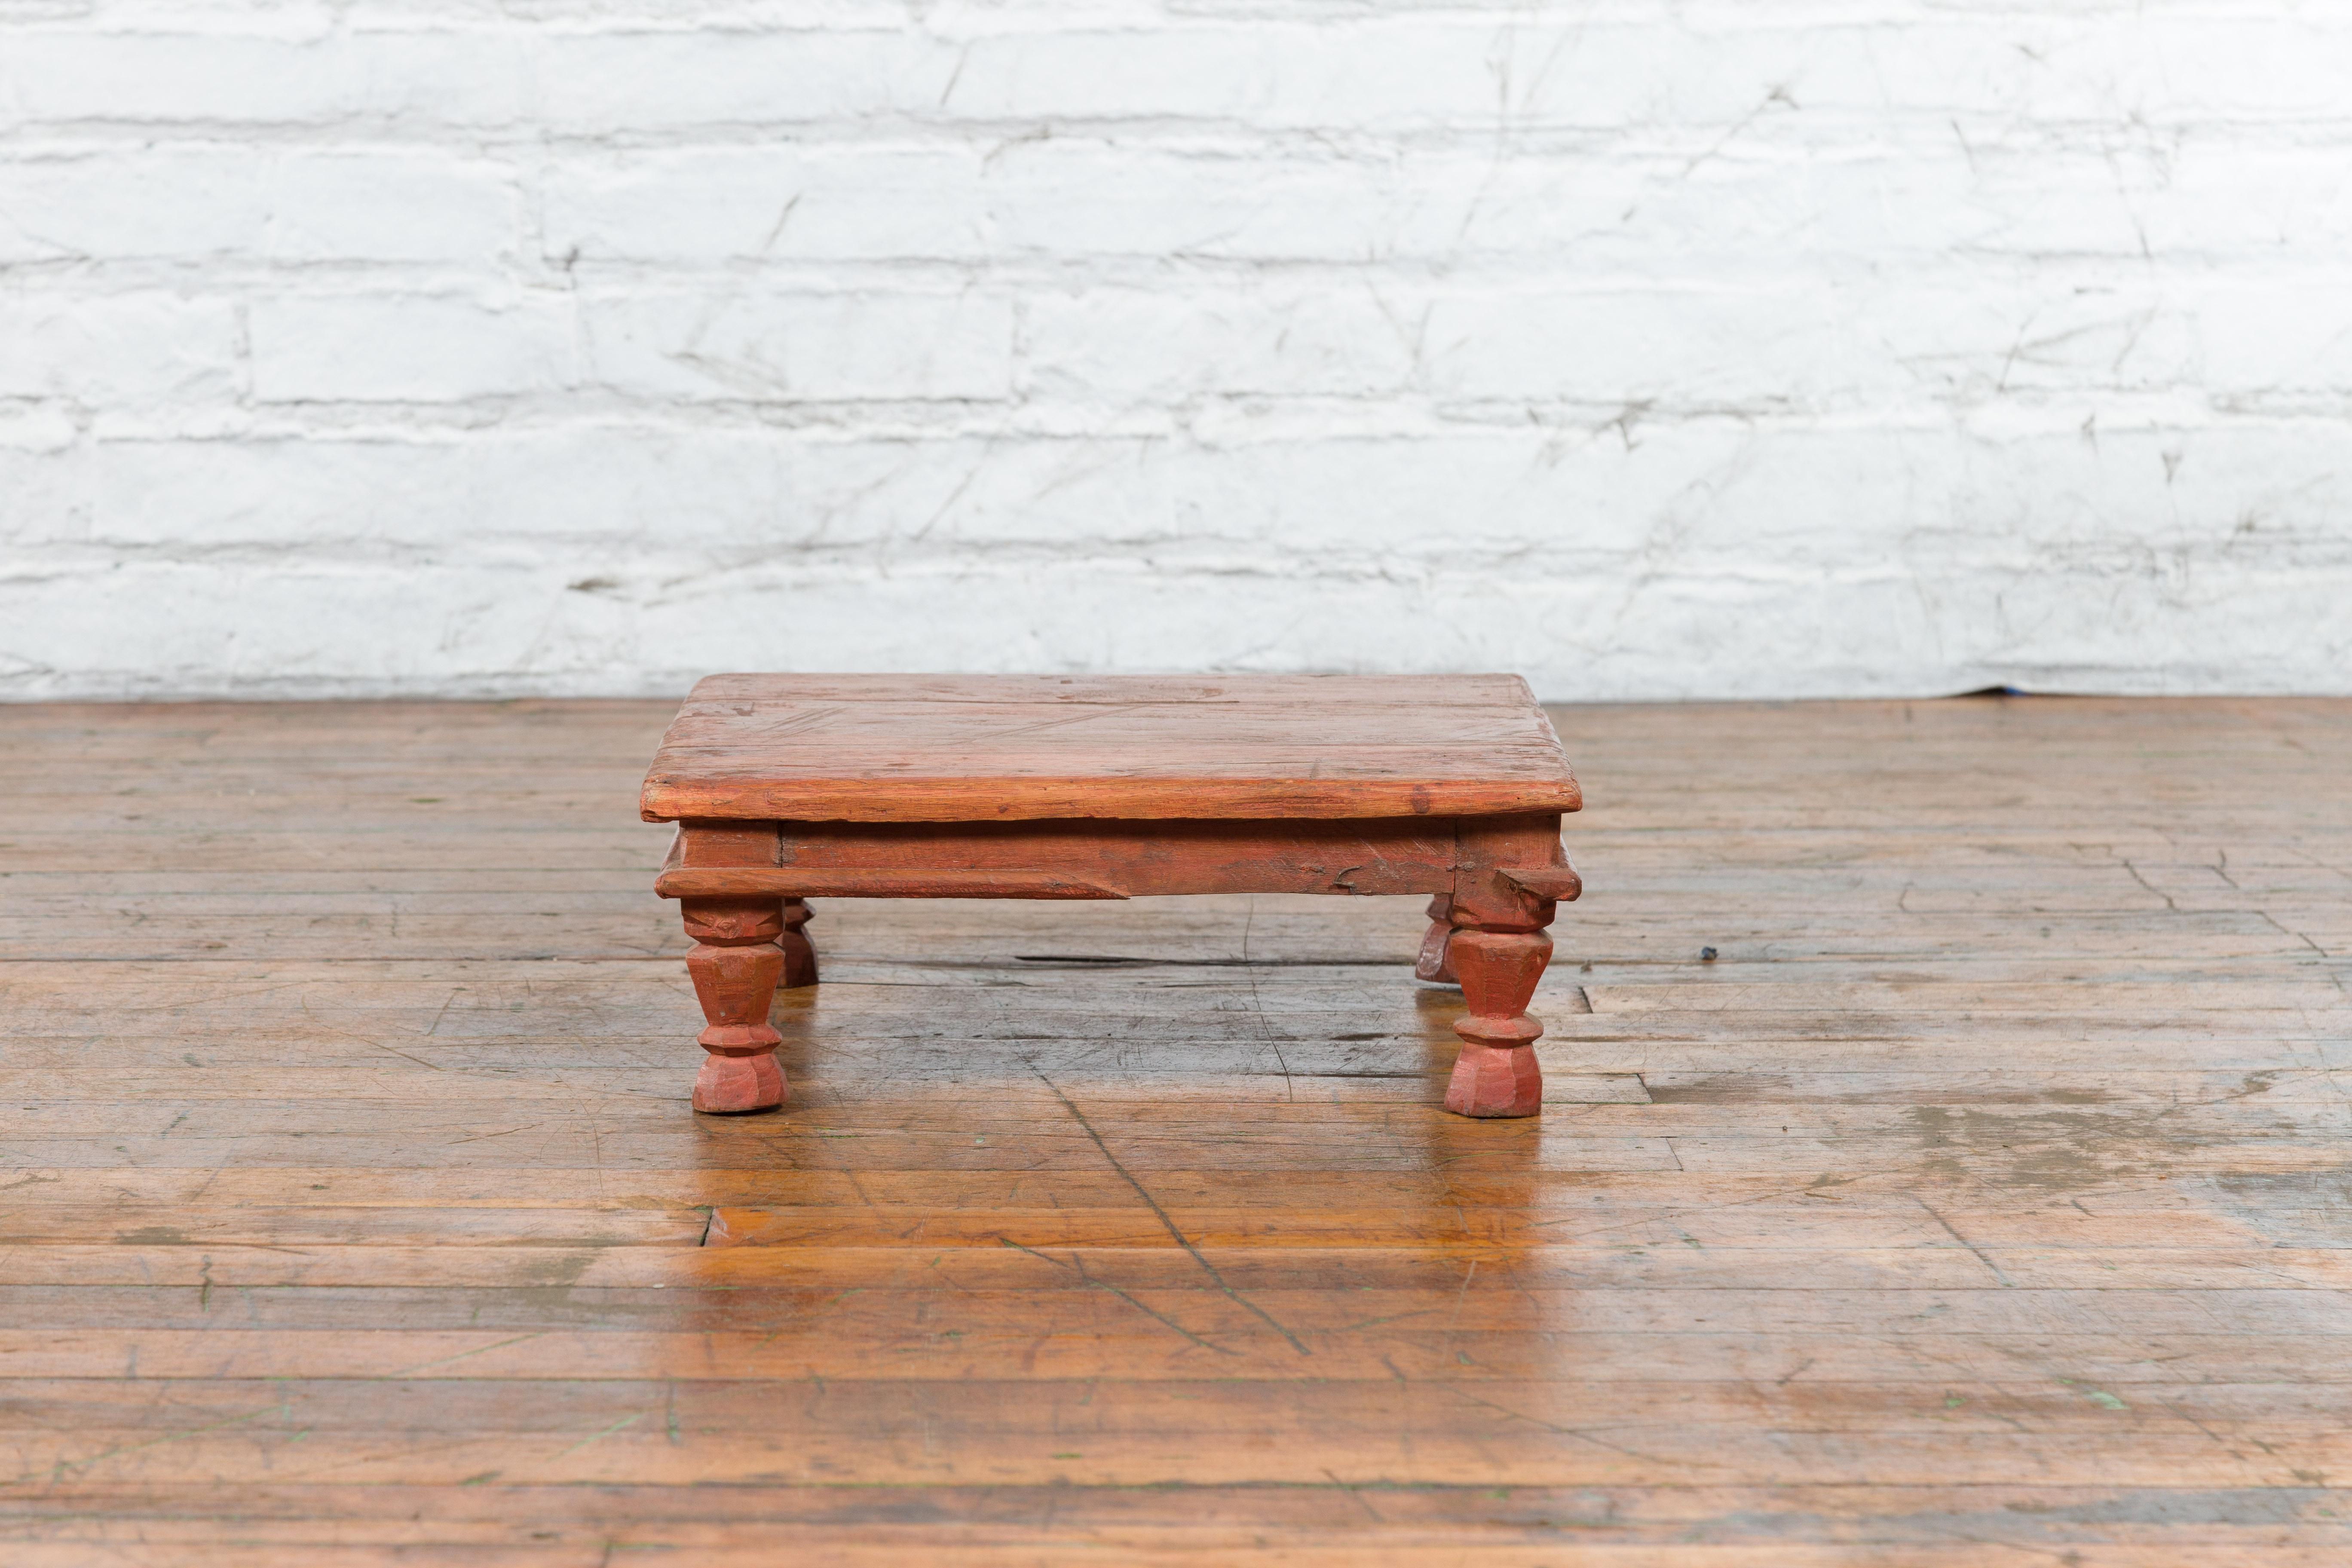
1169	1225
1089	1279
1964	1241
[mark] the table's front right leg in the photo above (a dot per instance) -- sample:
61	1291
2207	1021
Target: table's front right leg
1498	951
1496	1073
735	965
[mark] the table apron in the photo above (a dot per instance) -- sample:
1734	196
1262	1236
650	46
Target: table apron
1102	858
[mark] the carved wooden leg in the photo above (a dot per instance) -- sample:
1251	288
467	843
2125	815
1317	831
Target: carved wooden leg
735	965
800	953
1496	1074
1436	964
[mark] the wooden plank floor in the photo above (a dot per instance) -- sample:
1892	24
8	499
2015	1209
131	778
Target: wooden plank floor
1985	1200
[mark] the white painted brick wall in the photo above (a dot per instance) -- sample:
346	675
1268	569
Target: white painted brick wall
1651	347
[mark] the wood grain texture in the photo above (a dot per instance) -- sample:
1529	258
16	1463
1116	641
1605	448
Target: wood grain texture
871	748
1981	1201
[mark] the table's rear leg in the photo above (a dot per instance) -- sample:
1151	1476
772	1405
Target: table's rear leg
735	965
800	953
1436	963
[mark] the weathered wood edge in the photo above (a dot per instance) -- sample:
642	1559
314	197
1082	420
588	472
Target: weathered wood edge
1158	799
1557	882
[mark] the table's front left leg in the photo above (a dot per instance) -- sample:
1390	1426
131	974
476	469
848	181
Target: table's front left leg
735	965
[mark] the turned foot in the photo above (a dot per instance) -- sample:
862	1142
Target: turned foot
735	965
729	1085
1495	1075
1435	963
800	953
1494	1081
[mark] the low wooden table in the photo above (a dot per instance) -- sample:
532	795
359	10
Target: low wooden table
790	787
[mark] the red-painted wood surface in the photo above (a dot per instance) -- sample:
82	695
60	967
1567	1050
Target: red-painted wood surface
790	787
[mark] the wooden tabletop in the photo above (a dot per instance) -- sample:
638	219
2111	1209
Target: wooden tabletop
933	748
